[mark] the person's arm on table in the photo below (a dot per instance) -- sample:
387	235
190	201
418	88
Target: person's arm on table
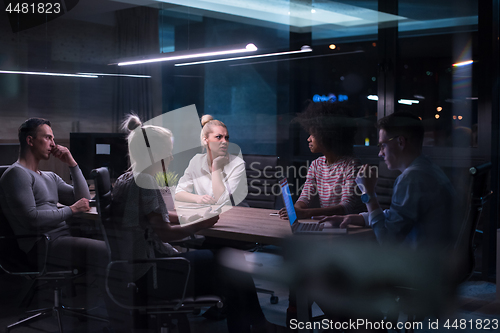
191	197
173	217
303	212
394	223
185	188
343	221
168	232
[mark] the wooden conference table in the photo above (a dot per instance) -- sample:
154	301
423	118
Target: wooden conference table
256	225
249	225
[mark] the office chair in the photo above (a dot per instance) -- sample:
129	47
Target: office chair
125	293
385	185
14	261
477	195
261	172
472	196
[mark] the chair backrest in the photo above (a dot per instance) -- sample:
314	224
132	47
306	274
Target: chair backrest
476	195
262	174
103	196
385	185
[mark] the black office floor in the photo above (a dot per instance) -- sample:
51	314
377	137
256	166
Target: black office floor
477	301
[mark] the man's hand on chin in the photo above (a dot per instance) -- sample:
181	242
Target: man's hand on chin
63	154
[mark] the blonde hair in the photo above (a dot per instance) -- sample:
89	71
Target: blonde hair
208	123
157	137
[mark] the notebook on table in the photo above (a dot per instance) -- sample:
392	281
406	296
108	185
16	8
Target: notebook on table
302	227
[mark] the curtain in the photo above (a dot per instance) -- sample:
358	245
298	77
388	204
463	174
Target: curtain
137	35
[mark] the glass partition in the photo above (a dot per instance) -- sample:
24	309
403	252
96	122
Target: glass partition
437	70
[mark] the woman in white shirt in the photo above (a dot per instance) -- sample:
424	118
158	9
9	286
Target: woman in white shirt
215	176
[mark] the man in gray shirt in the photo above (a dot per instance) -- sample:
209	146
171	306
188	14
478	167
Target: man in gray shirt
29	200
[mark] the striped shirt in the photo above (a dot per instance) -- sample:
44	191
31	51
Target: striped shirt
335	184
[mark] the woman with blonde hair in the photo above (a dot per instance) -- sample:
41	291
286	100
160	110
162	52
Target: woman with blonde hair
142	226
216	176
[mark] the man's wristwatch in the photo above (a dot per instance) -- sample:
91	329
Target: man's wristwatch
365	197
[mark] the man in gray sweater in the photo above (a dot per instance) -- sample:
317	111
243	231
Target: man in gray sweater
29	200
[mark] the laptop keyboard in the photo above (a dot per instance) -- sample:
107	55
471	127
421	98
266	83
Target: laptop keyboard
309	227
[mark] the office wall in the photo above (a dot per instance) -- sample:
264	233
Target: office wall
72	104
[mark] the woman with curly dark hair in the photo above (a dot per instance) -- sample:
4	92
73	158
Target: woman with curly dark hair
331	176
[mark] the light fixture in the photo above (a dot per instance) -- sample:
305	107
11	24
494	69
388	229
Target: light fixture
123	75
373	97
332	46
439	109
305	48
49	74
408	101
199	53
460	117
463	63
437	116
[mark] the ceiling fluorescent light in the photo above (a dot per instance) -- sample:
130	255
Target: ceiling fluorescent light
303	49
296	58
463	63
124	75
49	74
408	101
199	53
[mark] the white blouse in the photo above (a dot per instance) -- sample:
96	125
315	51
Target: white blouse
197	178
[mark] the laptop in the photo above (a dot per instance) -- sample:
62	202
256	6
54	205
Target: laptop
302	227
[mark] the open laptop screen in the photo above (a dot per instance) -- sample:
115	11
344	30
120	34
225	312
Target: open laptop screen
287	199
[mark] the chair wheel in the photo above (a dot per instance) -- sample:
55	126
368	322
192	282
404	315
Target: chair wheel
274	299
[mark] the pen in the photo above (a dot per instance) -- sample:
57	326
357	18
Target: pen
274	214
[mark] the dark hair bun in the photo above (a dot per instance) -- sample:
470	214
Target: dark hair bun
133	122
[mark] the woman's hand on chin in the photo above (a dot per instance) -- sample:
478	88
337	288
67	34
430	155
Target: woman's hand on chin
220	162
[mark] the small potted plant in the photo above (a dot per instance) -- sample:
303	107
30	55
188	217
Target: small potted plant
167	179
167	183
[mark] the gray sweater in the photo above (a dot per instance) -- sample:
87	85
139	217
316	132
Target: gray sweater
29	201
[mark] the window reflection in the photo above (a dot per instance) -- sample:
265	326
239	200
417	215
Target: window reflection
436	68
